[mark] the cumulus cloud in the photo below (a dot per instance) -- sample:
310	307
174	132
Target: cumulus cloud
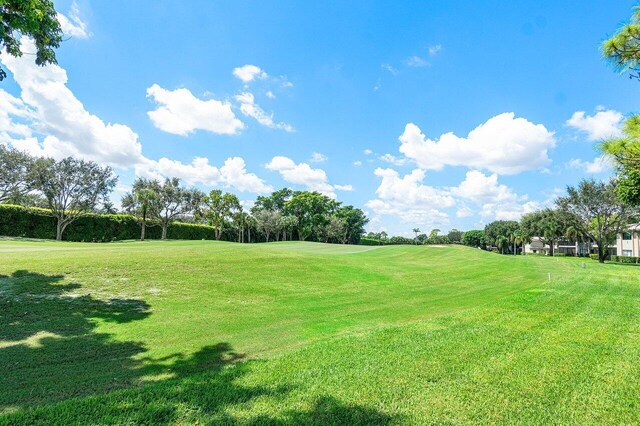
48	120
495	200
179	112
602	125
598	165
248	73
232	174
407	198
503	144
73	25
304	174
249	108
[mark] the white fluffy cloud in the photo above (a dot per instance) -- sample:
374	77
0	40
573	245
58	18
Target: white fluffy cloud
179	112
603	124
47	119
232	174
494	200
73	25
249	108
248	73
407	198
304	174
503	144
598	165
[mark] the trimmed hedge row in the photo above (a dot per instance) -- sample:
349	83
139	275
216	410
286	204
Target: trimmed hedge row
625	259
18	221
364	241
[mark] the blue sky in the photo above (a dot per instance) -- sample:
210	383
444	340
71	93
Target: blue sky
370	102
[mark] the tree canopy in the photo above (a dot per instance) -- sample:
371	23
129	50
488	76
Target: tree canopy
36	19
595	211
623	48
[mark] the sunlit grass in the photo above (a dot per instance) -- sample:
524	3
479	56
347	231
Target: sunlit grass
303	332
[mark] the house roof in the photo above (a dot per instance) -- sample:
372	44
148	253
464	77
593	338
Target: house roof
634	227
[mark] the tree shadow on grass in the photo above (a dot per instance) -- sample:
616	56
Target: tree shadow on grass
56	369
49	350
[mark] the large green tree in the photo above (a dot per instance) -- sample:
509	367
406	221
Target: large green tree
547	224
496	232
36	19
354	221
220	207
175	201
595	211
73	188
474	238
311	210
17	173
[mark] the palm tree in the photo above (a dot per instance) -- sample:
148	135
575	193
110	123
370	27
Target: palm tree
502	242
574	235
525	238
416	231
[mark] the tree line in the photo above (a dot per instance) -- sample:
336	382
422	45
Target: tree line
591	212
71	188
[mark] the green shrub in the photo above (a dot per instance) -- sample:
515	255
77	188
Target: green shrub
559	254
593	256
364	241
18	221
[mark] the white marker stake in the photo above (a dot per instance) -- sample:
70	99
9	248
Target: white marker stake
549	276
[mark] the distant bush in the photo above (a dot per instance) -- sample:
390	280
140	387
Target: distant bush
593	256
559	254
18	221
625	259
364	241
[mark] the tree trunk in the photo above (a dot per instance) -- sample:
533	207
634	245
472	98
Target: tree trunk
144	227
601	253
59	230
164	230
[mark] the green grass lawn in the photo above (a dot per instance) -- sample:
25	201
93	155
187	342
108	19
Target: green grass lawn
305	333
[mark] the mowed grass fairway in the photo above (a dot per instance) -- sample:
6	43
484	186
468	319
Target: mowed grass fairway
305	333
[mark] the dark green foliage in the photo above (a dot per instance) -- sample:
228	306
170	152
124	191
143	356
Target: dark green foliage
400	240
499	229
36	19
626	259
474	238
17	221
593	256
365	241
